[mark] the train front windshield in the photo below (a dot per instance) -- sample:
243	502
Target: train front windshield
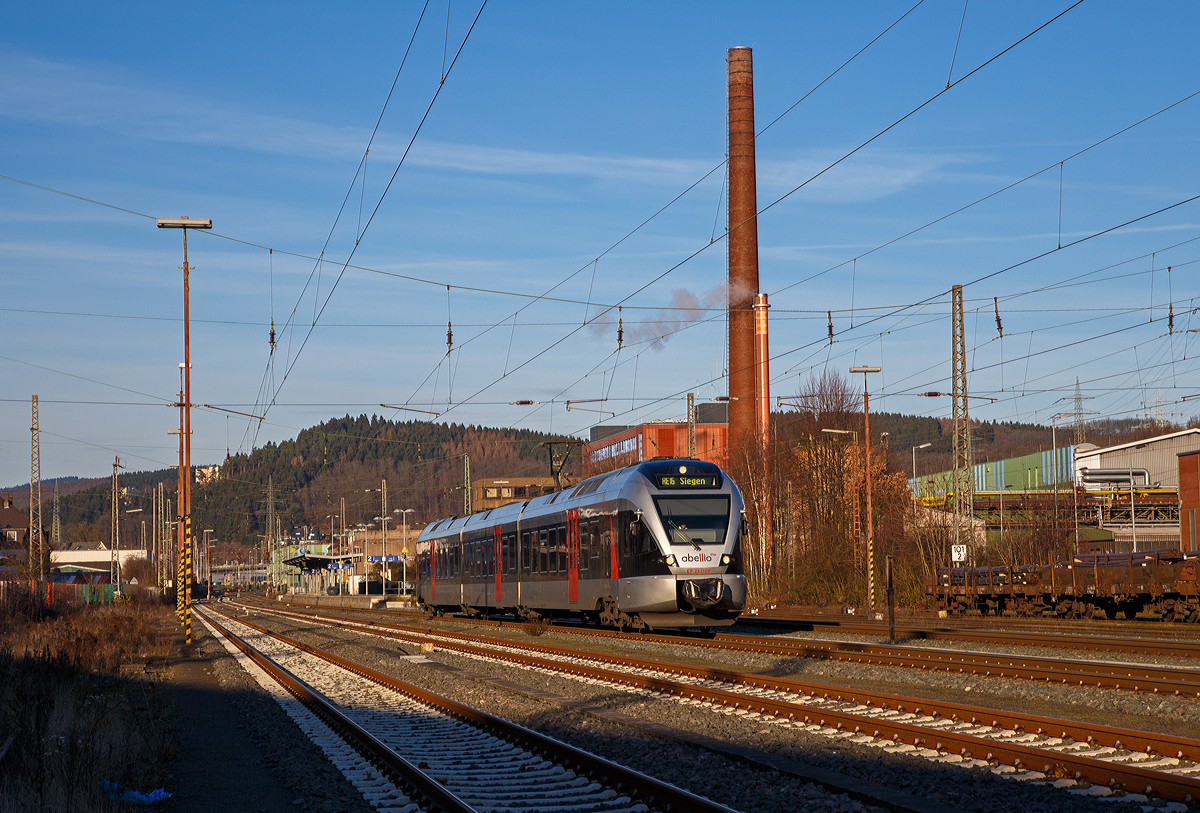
694	520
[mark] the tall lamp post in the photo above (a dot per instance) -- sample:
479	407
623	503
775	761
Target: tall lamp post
383	527
870	516
383	521
916	488
186	223
208	556
1054	452
404	553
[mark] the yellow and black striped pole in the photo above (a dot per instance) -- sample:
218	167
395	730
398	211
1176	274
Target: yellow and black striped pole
187	579
871	575
179	587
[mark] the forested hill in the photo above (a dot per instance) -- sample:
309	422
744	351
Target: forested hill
423	465
341	458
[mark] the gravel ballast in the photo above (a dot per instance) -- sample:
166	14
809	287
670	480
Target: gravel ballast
954	787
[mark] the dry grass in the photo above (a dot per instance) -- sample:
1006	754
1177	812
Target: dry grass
535	627
72	718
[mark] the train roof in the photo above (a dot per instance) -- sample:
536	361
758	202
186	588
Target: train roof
600	482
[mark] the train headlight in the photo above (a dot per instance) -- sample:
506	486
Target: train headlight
726	559
670	560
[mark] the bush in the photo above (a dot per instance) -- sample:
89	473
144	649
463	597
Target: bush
70	718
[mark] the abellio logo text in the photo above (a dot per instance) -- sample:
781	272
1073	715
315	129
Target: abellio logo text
697	558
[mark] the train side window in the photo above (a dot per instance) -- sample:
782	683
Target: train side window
525	551
562	548
490	557
512	553
543	552
585	545
553	547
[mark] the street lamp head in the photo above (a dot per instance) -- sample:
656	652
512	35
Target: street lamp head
866	369
184	222
924	446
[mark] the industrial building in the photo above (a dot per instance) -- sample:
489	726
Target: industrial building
1157	458
1031	472
612	447
1127	496
492	492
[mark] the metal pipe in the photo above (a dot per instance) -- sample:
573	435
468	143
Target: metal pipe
763	393
1113	475
762	366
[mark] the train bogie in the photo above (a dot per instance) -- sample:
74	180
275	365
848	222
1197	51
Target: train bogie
652	545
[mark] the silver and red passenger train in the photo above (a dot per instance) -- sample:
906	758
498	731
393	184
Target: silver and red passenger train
657	544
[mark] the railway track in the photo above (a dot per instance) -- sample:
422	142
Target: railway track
447	755
1101	674
1022	746
1134	642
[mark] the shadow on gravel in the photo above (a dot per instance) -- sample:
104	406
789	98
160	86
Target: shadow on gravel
770	758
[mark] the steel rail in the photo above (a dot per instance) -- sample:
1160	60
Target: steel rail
1182	647
1135	677
373	749
1130	677
1181	747
652	791
1127	777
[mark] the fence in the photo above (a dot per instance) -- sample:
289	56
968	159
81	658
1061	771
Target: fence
49	594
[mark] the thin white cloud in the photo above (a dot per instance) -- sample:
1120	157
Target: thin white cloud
98	96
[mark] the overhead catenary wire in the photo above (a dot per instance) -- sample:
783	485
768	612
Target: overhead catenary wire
375	211
795	189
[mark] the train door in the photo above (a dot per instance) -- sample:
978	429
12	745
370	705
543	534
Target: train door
433	571
573	555
496	561
612	546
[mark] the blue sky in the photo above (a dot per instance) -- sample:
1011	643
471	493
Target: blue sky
560	129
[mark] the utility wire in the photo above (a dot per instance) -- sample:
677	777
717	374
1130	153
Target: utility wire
375	211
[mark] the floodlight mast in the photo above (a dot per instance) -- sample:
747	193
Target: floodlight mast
186	223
